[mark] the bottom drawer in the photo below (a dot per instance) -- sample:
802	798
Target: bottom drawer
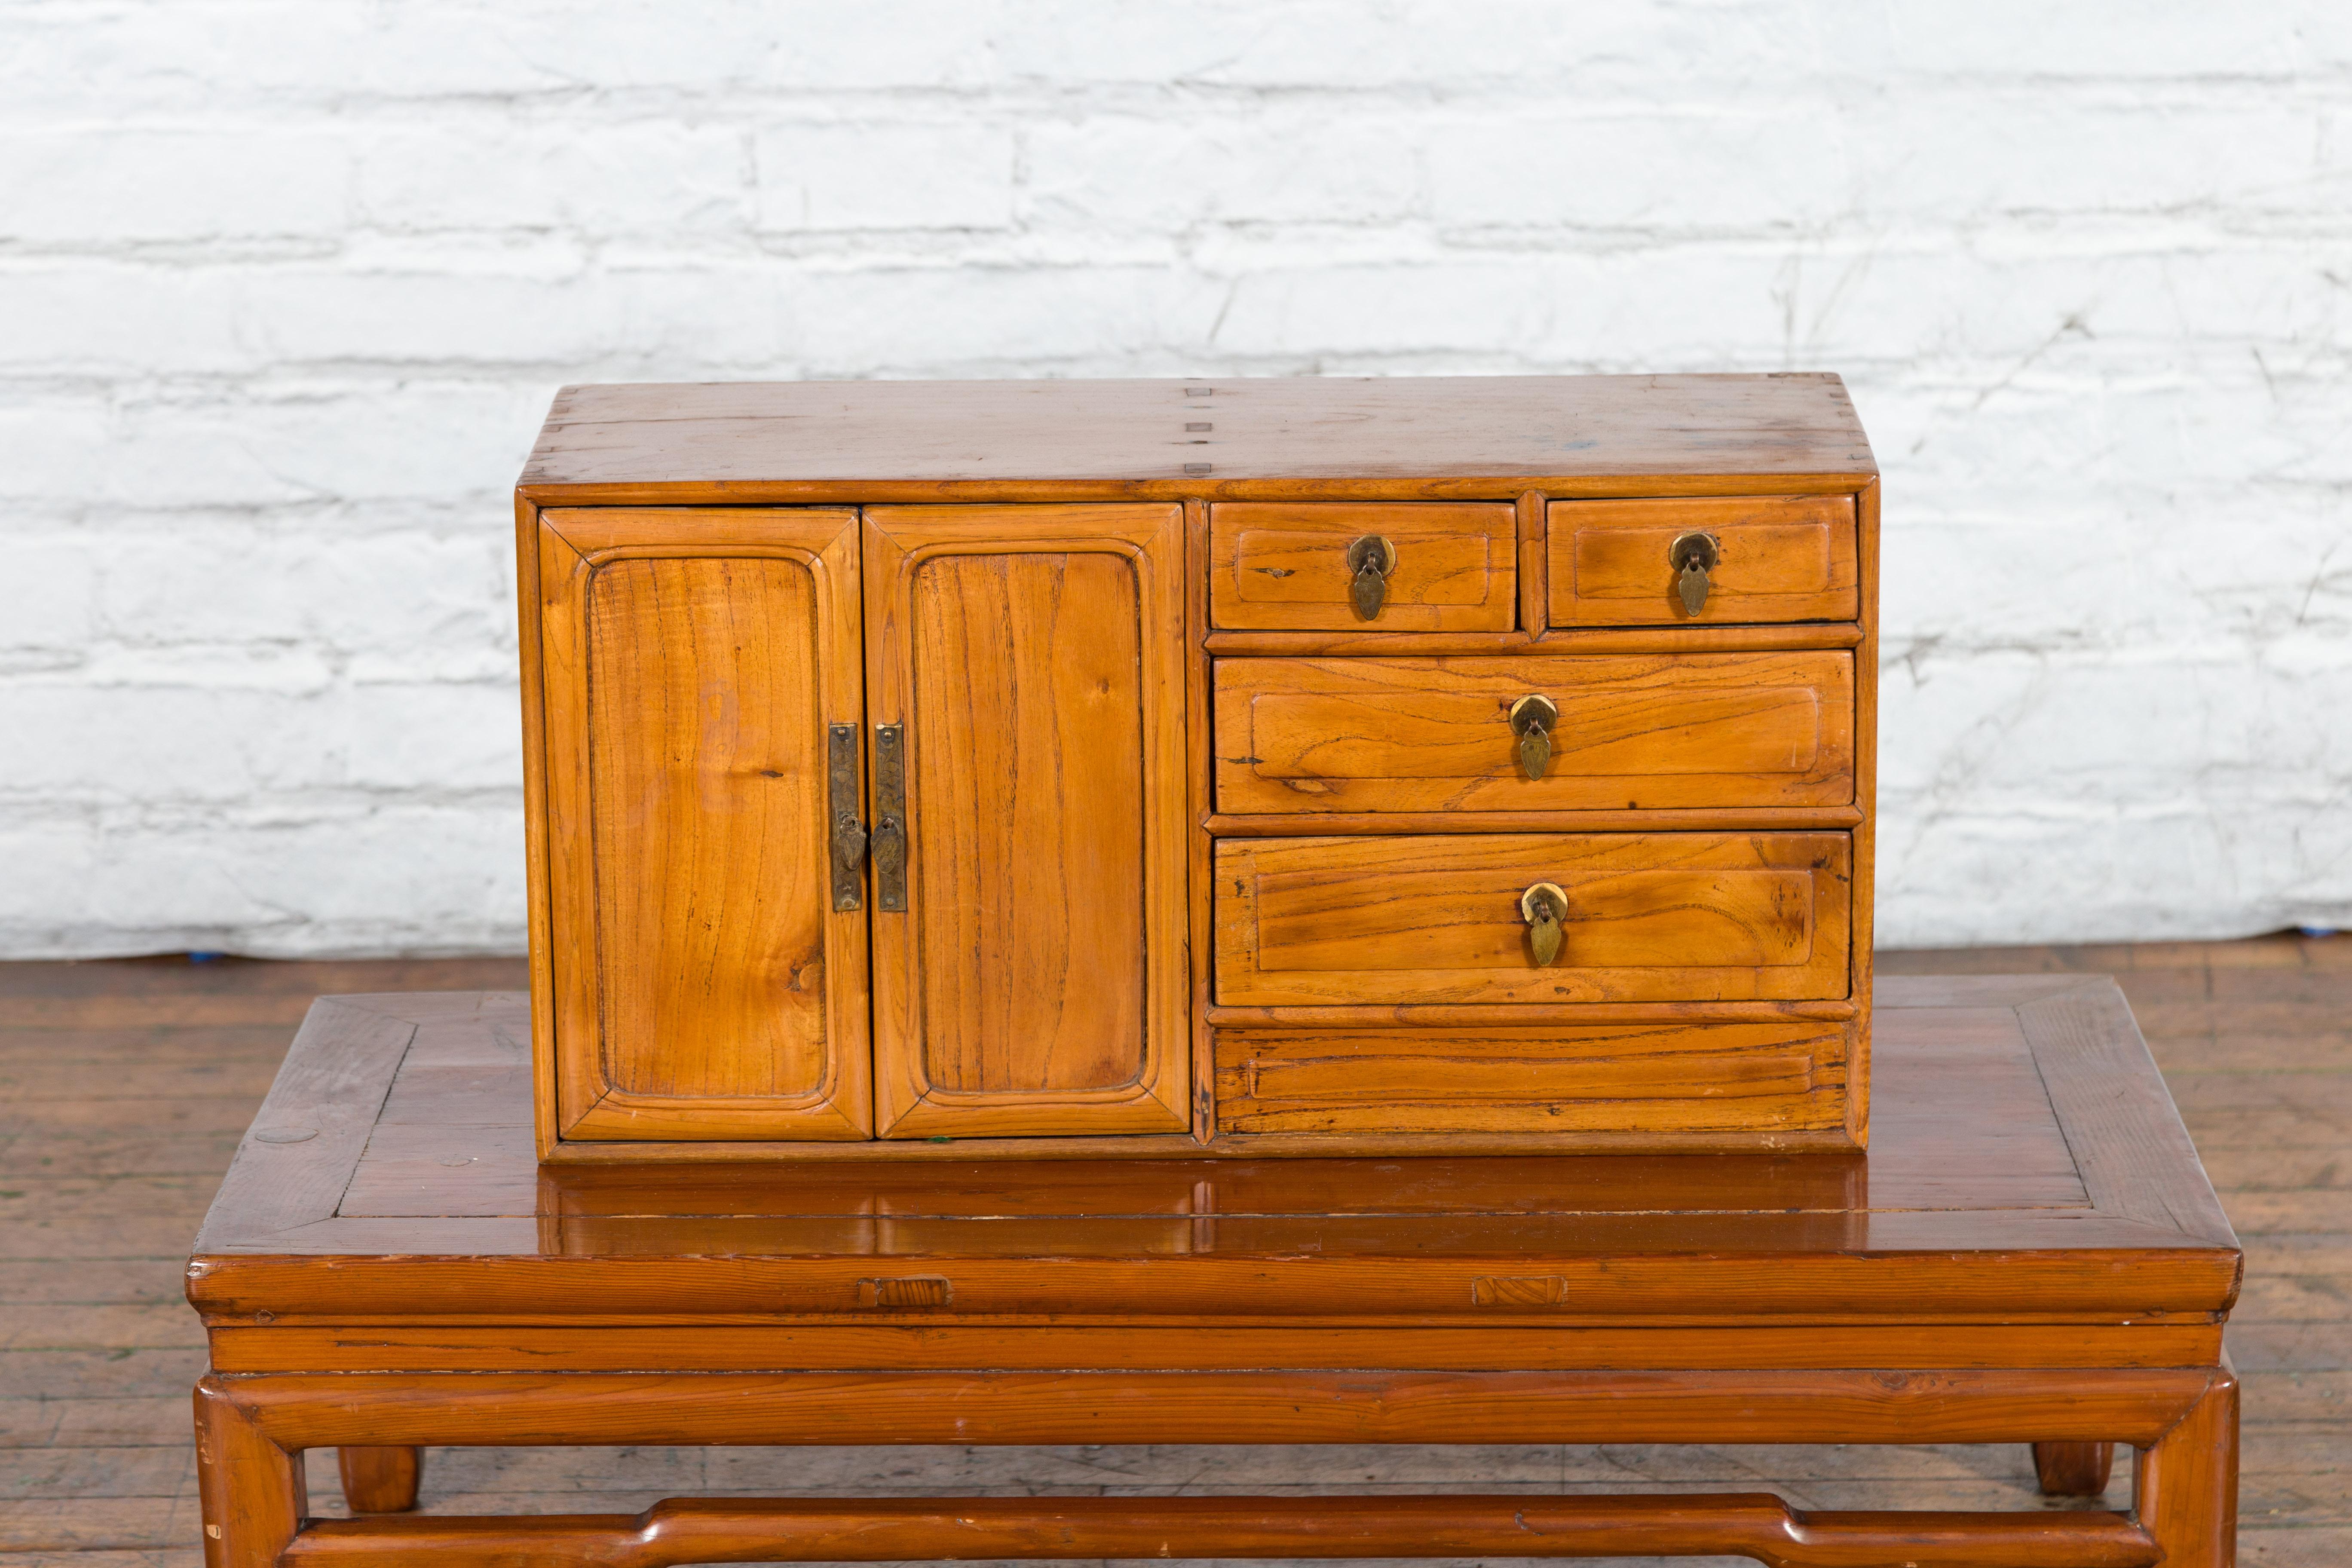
1661	1076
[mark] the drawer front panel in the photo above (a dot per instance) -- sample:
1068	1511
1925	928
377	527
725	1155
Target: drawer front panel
1284	567
1661	1076
1633	731
1782	558
1651	916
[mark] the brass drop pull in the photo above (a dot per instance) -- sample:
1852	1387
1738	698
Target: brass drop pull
1532	719
1693	556
1371	561
890	818
1544	906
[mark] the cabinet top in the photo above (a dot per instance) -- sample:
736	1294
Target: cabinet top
1197	436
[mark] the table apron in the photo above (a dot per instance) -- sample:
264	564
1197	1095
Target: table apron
1858	1405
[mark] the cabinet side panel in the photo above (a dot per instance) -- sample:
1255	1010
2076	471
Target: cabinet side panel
1028	821
1865	835
706	741
534	822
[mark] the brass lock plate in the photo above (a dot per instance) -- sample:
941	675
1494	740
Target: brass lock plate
1372	551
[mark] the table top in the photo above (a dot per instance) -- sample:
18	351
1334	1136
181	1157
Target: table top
2025	1156
789	440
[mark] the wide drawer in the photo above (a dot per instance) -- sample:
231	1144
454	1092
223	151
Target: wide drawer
1629	732
1659	1077
1780	558
1650	917
1280	567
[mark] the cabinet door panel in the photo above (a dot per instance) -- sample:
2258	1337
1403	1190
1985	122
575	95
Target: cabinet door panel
1033	982
707	986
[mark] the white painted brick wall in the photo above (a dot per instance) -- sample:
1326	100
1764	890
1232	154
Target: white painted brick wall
285	285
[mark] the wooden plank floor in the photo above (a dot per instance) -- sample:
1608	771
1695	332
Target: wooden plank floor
123	1086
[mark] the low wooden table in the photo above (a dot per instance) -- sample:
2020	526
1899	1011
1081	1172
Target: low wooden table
2030	1253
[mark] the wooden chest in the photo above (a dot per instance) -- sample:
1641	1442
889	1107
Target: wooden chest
1164	767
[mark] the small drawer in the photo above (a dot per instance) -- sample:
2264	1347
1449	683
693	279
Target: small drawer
1664	1077
1649	917
1625	731
1450	567
1777	558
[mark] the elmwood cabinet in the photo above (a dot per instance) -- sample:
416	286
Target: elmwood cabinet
924	770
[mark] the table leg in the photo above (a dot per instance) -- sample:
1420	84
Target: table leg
252	1491
2074	1469
380	1480
2186	1486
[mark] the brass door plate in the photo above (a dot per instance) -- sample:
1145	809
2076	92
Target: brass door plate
848	831
890	818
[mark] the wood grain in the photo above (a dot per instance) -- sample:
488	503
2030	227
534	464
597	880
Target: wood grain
2186	1483
1765	818
1384	1240
1286	566
1028	768
703	702
1534	578
1553	639
1633	731
252	1487
297	1158
1048	758
1844	1405
1097	440
1559	1338
530	602
704	985
101	1453
1652	918
2092	1070
1200	847
1038	983
2073	1469
380	1480
1661	1075
876	1530
1865	795
1785	558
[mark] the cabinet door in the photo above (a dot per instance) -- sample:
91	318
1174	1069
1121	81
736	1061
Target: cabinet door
705	985
1026	665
